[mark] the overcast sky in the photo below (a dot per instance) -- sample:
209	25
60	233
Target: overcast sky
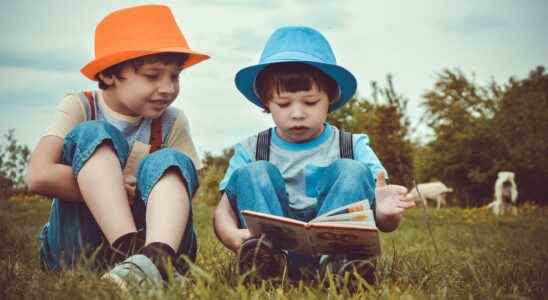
43	45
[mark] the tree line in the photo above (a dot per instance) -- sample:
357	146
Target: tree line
476	131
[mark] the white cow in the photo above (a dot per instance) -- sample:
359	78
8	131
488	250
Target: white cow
506	194
435	191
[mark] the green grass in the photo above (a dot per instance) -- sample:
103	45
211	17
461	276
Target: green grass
470	254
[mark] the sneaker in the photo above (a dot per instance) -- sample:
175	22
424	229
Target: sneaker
134	271
340	266
365	268
258	254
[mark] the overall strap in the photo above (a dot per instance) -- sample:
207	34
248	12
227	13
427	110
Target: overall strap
263	145
91	101
156	134
345	145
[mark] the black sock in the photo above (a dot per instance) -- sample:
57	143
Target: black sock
160	254
124	247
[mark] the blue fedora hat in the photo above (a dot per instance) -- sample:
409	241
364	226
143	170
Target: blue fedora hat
298	44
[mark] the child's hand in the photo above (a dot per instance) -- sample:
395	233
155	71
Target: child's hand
391	199
240	236
130	183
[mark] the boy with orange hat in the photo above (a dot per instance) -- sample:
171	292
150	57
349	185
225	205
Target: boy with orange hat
120	162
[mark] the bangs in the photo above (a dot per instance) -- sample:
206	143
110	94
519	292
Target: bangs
292	83
292	78
167	58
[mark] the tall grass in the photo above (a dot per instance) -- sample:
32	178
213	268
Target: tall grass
479	257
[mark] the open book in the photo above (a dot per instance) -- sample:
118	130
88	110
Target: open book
345	230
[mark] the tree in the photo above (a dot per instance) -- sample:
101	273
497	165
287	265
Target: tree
384	120
479	131
459	112
521	126
13	162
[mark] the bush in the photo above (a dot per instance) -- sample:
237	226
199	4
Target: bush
13	162
210	176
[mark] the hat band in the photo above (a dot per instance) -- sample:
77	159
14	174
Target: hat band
295	56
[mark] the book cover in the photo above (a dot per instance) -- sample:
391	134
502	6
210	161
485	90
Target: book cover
346	230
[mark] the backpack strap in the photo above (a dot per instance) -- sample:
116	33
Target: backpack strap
156	134
91	101
262	151
345	145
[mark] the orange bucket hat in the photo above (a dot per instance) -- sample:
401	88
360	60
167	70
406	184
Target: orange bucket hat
134	32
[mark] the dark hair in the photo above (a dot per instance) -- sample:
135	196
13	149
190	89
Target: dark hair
293	77
136	63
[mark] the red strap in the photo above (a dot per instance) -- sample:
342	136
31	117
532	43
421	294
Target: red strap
156	134
91	101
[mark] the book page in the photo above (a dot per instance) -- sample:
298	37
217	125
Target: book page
364	217
360	205
341	238
286	233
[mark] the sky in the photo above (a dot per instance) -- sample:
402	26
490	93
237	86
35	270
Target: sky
43	45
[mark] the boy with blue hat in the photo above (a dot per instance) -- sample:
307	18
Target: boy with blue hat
120	162
304	166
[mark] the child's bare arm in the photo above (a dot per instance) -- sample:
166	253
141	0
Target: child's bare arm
47	176
226	225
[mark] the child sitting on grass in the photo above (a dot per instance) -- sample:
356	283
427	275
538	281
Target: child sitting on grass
120	162
304	166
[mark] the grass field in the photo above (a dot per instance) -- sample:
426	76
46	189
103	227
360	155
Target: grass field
469	255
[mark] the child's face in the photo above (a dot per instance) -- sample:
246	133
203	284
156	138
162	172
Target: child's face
299	116
147	91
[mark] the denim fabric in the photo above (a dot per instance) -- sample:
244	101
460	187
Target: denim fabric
259	186
151	168
71	229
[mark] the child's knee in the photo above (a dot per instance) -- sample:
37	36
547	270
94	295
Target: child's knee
259	172
166	162
87	137
349	168
169	156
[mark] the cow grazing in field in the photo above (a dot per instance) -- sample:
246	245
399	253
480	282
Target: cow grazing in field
435	191
506	195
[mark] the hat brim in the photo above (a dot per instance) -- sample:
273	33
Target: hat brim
94	67
245	81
